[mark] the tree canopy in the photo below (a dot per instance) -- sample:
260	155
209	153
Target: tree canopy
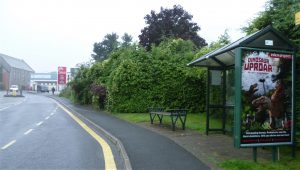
172	23
102	49
126	40
110	42
281	15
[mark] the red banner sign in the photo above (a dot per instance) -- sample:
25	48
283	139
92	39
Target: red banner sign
62	75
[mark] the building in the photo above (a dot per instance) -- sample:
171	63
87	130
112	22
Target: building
14	71
48	80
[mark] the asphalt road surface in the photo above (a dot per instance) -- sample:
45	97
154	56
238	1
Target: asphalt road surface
145	149
37	133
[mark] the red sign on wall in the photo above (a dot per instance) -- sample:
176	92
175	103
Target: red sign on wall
62	75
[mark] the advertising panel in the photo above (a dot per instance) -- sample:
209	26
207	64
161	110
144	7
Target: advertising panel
266	98
62	75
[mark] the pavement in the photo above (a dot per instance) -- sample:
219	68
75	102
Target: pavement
191	149
211	149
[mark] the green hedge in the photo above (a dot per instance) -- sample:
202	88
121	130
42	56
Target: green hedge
136	79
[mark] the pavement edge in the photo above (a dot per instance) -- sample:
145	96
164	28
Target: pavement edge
113	139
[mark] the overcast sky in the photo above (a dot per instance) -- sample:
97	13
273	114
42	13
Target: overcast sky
51	33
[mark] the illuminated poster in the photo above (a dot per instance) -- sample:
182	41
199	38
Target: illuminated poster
266	98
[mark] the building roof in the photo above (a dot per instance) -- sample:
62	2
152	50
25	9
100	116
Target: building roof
225	55
16	63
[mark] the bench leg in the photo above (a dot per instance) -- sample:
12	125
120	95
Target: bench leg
183	120
152	118
160	117
174	120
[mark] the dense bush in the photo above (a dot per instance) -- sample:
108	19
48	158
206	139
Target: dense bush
157	78
132	79
81	86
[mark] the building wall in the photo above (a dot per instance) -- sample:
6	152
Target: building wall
19	77
4	79
14	72
1	78
43	79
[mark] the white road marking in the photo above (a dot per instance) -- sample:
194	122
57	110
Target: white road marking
41	122
9	103
52	113
9	144
3	108
12	104
28	131
47	117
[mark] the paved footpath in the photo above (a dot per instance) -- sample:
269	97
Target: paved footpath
212	149
145	148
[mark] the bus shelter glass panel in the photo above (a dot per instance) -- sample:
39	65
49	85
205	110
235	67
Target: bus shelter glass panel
230	99
229	123
215	87
230	90
216	117
220	109
215	112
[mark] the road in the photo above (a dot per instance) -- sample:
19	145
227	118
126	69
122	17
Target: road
38	133
145	149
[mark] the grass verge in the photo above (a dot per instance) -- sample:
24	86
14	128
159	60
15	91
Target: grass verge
286	162
194	121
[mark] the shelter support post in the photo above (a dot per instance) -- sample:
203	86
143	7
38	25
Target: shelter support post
254	154
275	152
207	102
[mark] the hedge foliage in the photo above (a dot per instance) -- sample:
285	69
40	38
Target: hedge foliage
135	79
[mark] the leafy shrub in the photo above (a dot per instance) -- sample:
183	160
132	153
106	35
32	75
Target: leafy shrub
133	79
157	78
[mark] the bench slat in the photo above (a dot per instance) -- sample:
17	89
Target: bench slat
161	113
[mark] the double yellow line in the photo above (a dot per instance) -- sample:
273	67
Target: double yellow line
107	153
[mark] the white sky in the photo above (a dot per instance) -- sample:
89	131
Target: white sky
51	33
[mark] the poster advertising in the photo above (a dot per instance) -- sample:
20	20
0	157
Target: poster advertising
266	98
62	75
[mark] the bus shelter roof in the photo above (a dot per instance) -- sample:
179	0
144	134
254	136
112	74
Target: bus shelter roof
267	38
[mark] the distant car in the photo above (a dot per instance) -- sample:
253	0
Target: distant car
44	89
14	88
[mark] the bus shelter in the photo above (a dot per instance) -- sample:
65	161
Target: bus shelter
251	89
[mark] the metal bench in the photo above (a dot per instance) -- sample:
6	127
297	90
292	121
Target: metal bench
175	114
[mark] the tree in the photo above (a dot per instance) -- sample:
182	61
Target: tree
173	23
126	40
280	14
223	40
102	49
